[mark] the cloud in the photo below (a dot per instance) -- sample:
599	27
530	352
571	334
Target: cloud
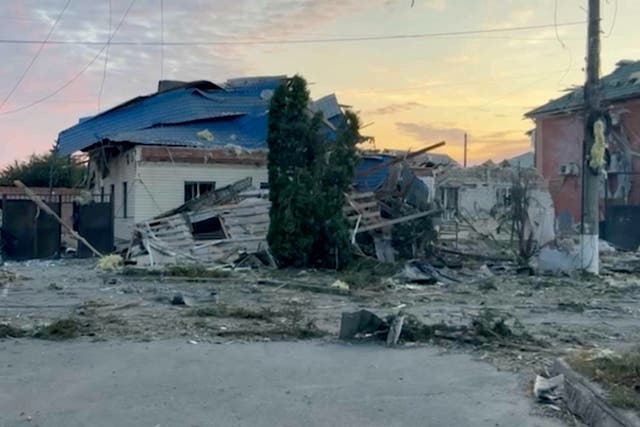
426	132
396	108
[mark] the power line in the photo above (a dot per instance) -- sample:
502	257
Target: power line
615	17
77	75
106	63
297	41
161	39
36	56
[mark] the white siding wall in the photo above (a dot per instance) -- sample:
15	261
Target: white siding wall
160	186
121	169
478	201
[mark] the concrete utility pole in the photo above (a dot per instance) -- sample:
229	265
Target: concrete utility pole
590	179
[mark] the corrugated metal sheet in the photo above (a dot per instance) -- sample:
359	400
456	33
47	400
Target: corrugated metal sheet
236	114
182	105
623	83
371	181
328	106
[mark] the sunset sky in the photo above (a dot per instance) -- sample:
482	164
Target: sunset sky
415	91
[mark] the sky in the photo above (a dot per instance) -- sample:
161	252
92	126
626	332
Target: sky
409	92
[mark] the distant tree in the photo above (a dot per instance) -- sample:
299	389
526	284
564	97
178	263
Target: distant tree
308	176
42	169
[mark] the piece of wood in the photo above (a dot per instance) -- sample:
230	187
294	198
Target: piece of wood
42	205
398	220
391	162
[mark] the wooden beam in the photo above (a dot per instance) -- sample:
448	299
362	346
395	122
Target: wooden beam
398	220
399	159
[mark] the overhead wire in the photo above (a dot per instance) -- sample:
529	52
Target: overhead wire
562	43
297	41
106	62
614	19
36	56
161	39
78	74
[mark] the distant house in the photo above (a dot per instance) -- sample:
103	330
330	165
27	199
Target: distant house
524	160
558	140
153	153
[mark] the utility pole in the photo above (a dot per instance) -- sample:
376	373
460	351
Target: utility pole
589	252
465	150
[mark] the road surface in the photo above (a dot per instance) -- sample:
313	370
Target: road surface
175	383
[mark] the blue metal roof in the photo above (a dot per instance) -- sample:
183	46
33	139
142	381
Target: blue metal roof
371	181
235	113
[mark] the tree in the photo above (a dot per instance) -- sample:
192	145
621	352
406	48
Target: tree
308	176
41	170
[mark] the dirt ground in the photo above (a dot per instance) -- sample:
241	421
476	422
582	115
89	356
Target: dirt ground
561	314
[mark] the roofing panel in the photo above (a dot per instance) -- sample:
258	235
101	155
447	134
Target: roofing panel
328	106
371	181
181	105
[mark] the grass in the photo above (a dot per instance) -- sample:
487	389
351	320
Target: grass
182	270
62	329
618	373
367	273
223	310
9	331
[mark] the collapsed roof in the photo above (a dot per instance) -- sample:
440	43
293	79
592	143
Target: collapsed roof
197	114
623	83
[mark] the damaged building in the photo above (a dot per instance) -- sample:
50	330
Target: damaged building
558	142
153	153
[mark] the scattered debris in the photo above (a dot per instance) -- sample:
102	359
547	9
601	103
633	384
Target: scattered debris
360	323
55	287
62	329
549	390
110	263
339	284
9	331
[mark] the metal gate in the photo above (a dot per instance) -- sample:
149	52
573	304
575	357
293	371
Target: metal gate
27	232
94	222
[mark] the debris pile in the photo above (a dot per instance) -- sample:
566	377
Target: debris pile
488	328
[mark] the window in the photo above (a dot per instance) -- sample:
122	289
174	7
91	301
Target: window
102	194
264	185
124	200
197	189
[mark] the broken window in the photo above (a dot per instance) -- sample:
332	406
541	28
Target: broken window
197	189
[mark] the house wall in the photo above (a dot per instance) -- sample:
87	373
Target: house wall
121	169
559	141
160	185
477	200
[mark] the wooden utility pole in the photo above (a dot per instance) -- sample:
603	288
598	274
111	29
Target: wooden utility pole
590	178
465	149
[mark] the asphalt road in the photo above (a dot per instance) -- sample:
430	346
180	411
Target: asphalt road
174	383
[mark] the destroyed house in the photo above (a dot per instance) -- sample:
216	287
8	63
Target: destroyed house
153	153
558	141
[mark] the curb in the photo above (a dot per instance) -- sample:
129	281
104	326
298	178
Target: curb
585	399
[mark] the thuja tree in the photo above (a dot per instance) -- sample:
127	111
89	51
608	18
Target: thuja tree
308	176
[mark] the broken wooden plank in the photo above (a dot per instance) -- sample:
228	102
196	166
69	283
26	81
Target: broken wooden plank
391	162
